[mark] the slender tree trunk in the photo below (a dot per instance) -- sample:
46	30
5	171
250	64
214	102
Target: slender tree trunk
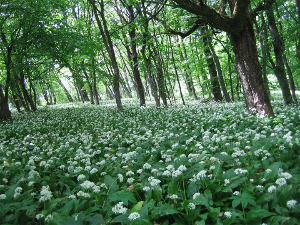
89	84
291	79
5	113
134	57
66	91
212	69
176	73
25	92
110	49
278	46
190	79
219	70
298	43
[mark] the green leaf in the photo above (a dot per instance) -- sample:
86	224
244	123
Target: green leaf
201	200
236	202
109	180
166	209
137	206
257	215
122	196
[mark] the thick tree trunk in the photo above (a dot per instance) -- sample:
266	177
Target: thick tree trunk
244	48
5	113
278	46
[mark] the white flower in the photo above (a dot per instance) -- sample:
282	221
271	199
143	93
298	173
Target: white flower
280	181
286	175
48	218
228	215
134	216
39	216
192	206
196	195
87	184
146	166
80	177
18	191
182	168
240	171
120	177
227	181
46	194
153	181
176	173
130	180
72	196
236	193
146	188
5	180
129	173
2	196
174	196
167	173
94	170
119	209
139	171
268	170
291	204
83	194
271	189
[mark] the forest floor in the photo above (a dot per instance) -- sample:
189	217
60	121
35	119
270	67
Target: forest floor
196	164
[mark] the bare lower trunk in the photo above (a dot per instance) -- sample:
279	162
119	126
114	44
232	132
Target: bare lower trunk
244	47
5	113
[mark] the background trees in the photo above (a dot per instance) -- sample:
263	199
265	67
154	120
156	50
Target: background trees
162	50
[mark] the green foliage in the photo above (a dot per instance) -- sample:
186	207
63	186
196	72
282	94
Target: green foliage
202	164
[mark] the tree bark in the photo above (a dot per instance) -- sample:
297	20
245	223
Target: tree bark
212	69
243	42
110	49
5	113
244	48
219	70
278	46
66	91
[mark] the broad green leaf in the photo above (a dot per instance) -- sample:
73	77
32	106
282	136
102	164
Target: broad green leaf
122	196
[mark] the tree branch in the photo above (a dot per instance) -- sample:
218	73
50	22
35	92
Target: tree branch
207	14
261	7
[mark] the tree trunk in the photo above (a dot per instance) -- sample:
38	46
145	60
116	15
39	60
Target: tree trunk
219	70
5	113
244	48
160	79
278	46
298	43
110	49
66	91
212	69
176	73
25	92
134	57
